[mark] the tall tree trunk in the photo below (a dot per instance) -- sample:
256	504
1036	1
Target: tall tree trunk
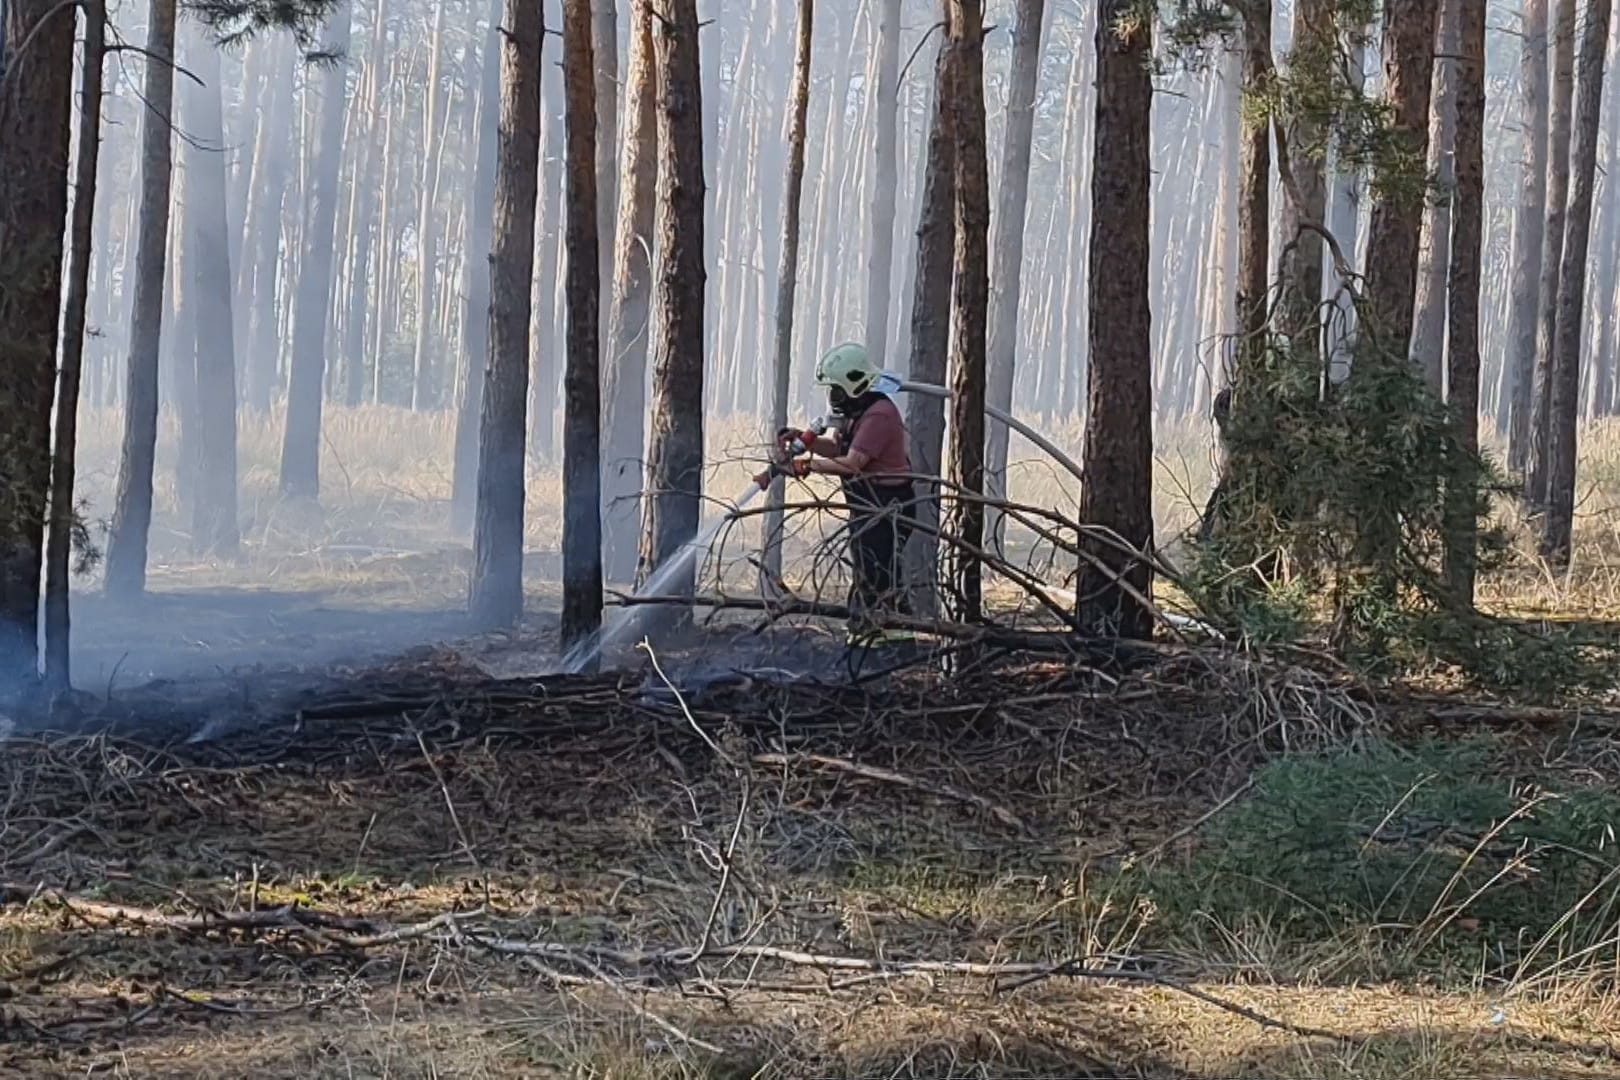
496	594
1007	280
547	344
1552	251
675	452
1462	353
1434	260
59	544
132	514
35	120
582	388
625	398
1529	228
1315	44
1117	495
970	298
1565	376
214	526
885	87
605	49
1254	183
475	317
425	377
787	275
301	445
930	321
1397	213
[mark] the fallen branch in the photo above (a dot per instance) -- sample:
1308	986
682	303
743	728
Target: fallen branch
888	776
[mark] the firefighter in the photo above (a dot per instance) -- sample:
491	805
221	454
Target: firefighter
867	448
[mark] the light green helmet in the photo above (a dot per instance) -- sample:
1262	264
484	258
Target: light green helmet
848	368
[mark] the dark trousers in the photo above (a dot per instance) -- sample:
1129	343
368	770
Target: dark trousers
881	520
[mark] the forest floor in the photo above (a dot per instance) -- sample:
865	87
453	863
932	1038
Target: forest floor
339	837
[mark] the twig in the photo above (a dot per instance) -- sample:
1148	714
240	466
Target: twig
450	804
873	772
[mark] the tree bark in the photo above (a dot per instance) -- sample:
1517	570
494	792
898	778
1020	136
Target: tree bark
1315	44
59	544
1011	210
605	49
35	97
787	275
970	297
1529	228
582	398
132	514
495	598
1539	462
1397	213
625	399
214	526
885	178
1117	494
930	323
1462	354
1429	316
1565	376
475	311
675	452
301	443
1254	184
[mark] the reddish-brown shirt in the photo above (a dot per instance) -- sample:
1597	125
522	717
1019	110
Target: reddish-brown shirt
880	434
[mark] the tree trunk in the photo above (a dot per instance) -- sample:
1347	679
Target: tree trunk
35	97
1397	213
496	595
970	298
475	310
301	445
1565	376
605	49
1011	209
1539	463
787	275
1254	184
625	398
214	526
1462	354
59	545
424	366
675	452
930	323
582	388
1434	260
1117	494
547	344
885	87
1315	42
1529	228
132	514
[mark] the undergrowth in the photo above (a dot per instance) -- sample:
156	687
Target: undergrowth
1446	863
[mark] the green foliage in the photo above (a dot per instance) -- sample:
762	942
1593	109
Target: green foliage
1410	842
1333	507
234	22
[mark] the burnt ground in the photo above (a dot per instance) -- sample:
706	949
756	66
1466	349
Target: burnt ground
743	863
